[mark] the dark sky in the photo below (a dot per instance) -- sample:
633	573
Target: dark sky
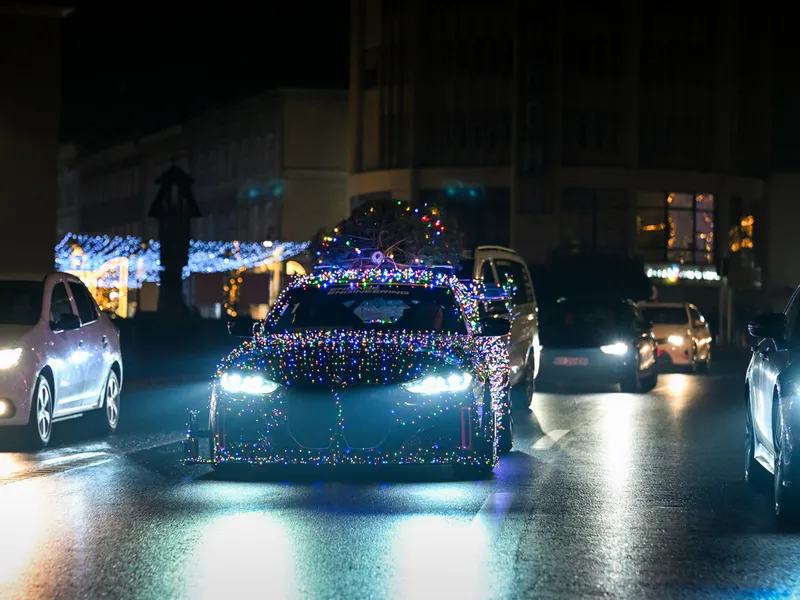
129	70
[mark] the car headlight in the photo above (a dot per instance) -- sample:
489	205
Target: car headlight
617	349
675	340
10	357
439	384
237	383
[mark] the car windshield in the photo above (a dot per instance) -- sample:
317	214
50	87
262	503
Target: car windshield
666	315
381	308
20	302
585	324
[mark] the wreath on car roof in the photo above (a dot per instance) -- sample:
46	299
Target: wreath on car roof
391	233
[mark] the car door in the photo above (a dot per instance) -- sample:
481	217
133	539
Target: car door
93	341
772	356
515	273
699	332
63	349
644	340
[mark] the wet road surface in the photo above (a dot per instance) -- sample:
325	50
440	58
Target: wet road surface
605	495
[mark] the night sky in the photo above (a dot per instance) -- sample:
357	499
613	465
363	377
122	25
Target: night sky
128	71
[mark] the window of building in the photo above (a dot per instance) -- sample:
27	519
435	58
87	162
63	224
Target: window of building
676	227
595	219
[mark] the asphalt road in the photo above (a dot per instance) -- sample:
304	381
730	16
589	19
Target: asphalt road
605	495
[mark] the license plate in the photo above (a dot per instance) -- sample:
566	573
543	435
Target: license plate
571	361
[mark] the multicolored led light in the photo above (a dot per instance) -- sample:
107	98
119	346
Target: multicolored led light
332	362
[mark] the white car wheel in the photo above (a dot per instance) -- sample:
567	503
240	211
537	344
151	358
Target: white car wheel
40	421
112	401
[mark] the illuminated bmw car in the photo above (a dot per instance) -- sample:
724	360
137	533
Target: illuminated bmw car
361	367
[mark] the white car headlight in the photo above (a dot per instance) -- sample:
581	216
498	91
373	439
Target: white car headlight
439	384
243	383
617	349
675	340
10	357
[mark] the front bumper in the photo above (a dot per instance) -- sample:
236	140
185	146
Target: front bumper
16	391
364	425
669	354
589	366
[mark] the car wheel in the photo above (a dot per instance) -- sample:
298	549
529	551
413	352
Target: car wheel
522	393
707	362
754	474
693	365
786	499
40	421
506	431
633	383
107	416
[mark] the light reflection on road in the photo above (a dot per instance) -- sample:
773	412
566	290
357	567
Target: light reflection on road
240	553
439	557
32	540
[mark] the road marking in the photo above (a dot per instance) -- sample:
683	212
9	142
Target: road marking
549	440
492	514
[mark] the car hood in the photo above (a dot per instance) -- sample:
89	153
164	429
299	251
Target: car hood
9	334
336	358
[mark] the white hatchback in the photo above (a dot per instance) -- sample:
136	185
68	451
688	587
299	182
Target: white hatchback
59	357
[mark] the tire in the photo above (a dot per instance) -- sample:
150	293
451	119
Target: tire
106	418
506	440
786	499
706	366
693	366
651	382
522	393
755	475
632	384
39	429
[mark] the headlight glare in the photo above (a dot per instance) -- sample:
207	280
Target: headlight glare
675	340
242	383
439	384
10	357
617	349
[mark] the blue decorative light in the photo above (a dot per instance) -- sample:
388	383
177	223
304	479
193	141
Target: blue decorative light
88	253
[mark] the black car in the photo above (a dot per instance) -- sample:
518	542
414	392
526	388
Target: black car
597	341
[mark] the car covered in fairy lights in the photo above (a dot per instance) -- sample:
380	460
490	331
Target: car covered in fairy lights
381	366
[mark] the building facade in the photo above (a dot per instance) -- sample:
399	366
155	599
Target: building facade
619	126
271	167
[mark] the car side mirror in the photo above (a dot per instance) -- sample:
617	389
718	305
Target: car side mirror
67	322
772	325
495	327
242	327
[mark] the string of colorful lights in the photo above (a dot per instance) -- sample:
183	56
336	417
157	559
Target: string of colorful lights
336	363
90	253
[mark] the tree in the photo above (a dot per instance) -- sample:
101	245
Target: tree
396	233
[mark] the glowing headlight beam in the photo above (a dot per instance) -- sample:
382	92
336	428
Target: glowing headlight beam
675	340
439	384
10	357
238	383
617	349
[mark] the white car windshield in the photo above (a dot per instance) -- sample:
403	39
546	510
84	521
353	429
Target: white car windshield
20	302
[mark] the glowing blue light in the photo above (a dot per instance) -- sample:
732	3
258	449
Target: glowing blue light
145	257
473	193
